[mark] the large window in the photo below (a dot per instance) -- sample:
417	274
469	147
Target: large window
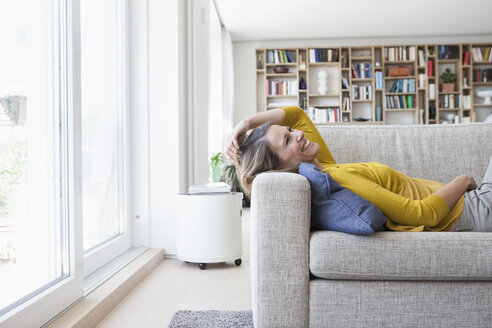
33	218
63	141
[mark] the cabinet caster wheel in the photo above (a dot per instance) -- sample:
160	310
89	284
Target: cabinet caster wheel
238	262
202	266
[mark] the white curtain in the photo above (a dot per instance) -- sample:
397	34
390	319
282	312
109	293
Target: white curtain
227	85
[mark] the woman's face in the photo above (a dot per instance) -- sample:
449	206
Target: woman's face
291	146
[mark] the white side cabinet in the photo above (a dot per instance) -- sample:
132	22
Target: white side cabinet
209	228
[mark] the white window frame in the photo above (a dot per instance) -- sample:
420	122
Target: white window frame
101	254
40	308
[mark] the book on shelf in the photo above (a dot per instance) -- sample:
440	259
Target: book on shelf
466	58
486	53
379	79
467	102
430	68
346	104
421	58
421	80
210	188
355	72
432	91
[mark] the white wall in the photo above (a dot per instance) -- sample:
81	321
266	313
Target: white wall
244	60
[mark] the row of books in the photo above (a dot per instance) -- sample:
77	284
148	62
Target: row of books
279	57
467	102
422	79
379	79
325	114
482	75
403	85
479	56
323	55
361	92
346	104
400	102
450	101
281	87
303	102
448	52
362	70
399	53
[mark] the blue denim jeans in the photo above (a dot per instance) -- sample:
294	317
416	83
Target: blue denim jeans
477	211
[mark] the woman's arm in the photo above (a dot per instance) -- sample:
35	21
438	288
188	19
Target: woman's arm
274	116
453	191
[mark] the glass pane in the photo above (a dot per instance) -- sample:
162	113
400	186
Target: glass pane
101	155
31	248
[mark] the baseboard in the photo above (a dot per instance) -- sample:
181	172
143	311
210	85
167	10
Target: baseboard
95	306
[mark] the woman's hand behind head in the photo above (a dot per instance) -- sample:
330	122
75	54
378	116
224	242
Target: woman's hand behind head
236	138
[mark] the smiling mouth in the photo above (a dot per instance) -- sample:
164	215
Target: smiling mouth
306	145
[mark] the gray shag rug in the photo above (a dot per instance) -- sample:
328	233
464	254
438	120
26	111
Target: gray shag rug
212	319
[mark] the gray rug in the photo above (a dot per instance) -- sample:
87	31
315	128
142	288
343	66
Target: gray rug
212	319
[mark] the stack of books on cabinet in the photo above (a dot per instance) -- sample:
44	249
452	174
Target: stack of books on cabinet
378	84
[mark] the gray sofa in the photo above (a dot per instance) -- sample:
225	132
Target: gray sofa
390	279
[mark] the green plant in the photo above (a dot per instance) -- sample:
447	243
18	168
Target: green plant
216	167
219	171
448	76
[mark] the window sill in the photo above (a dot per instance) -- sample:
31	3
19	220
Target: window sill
92	308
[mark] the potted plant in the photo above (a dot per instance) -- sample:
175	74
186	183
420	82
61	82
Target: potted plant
219	171
448	79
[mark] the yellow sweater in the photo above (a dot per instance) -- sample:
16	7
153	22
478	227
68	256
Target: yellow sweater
407	202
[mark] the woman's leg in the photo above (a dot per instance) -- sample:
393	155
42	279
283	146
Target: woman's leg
487	178
477	211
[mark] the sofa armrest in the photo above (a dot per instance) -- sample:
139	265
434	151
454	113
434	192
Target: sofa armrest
280	228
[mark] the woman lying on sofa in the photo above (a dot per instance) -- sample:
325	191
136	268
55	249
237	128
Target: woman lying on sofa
283	138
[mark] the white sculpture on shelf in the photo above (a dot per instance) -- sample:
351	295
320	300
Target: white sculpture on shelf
486	94
322	82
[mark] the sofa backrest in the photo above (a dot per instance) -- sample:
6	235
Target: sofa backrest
437	152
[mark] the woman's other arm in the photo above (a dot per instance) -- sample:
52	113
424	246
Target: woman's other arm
274	116
453	191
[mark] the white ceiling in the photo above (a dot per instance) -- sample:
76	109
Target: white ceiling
308	19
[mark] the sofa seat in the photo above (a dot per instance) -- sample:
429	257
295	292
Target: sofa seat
422	256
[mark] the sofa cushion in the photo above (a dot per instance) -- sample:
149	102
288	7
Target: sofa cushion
338	209
393	255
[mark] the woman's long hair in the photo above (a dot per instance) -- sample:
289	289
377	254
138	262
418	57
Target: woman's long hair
257	157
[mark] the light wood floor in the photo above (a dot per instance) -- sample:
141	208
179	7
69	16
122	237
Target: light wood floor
175	285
